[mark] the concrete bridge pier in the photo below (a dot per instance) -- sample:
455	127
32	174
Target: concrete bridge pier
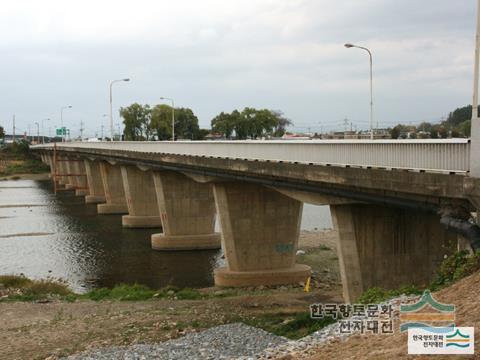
187	211
141	199
81	178
71	181
61	169
260	230
113	188
95	185
381	246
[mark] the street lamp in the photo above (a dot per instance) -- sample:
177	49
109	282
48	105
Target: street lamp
173	116
61	119
43	130
111	111
348	46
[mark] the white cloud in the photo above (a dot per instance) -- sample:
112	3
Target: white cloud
215	55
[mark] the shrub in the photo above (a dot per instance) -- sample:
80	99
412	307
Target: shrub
455	267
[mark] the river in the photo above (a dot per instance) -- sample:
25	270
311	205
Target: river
48	236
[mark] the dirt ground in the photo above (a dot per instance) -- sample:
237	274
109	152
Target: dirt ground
38	177
464	295
37	331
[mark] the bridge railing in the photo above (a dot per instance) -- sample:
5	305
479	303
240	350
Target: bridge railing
445	155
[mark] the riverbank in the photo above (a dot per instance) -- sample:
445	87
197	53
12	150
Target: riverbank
54	327
16	162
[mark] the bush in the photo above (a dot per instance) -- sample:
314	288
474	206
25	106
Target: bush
377	295
121	292
188	294
29	290
455	267
14	281
292	326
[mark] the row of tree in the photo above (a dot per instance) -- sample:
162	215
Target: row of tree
457	124
250	123
142	122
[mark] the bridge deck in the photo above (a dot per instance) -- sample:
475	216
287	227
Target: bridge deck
445	155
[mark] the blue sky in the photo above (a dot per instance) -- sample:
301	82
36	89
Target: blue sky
215	56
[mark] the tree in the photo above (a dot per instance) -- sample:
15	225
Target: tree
460	115
282	123
2	132
186	124
465	128
136	119
223	123
161	121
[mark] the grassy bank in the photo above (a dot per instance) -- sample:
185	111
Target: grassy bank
20	288
291	322
17	159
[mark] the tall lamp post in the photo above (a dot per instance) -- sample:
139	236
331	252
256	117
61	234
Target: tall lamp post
43	130
173	116
475	123
349	46
61	119
111	109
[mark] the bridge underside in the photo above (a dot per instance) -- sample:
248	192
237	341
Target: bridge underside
389	232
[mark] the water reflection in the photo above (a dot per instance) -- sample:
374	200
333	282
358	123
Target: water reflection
62	237
85	249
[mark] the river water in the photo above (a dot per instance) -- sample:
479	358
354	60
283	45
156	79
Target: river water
43	235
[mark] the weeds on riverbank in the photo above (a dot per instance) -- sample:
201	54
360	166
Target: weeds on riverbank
29	166
458	265
20	288
17	159
293	326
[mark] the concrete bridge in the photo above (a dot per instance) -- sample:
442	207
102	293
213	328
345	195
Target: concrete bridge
397	206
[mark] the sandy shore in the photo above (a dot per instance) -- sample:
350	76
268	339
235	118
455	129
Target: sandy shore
313	239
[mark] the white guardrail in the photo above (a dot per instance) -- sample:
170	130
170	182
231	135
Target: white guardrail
445	155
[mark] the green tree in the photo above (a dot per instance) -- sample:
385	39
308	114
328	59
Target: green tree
2	132
250	123
465	128
136	120
460	115
224	123
161	121
186	124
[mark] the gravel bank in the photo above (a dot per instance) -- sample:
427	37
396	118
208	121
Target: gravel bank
232	341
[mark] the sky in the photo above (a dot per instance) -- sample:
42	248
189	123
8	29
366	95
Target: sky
220	55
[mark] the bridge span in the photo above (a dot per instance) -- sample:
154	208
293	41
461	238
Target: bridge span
397	206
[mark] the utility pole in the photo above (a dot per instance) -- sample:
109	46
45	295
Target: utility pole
13	128
81	130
